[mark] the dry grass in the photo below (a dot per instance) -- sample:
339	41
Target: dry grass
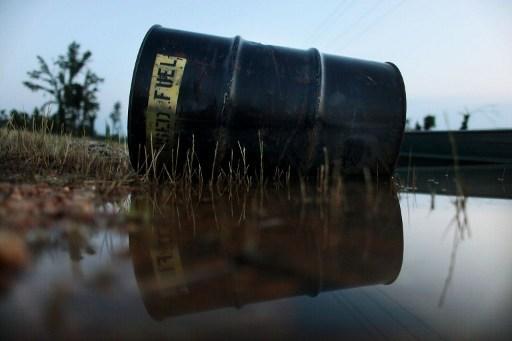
26	154
30	152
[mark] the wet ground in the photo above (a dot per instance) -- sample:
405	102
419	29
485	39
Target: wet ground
430	259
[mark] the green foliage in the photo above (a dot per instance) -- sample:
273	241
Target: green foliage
72	89
22	120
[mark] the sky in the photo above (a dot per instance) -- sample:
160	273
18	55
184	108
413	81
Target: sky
453	55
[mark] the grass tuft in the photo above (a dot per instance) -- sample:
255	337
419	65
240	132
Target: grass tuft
26	153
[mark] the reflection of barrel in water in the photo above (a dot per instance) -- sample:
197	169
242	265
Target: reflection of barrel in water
228	253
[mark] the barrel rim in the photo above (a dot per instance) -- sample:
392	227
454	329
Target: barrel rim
403	112
137	137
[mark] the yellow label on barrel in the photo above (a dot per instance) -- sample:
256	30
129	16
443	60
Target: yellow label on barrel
162	101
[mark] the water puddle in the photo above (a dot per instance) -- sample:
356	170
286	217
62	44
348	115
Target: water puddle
363	260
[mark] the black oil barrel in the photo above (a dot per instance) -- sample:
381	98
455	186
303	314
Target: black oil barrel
221	99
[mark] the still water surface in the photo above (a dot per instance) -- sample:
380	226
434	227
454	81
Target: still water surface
363	261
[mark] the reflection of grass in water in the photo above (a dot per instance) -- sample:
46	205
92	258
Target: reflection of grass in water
459	221
461	231
339	196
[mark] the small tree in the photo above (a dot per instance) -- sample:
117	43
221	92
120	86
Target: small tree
115	117
429	122
74	95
